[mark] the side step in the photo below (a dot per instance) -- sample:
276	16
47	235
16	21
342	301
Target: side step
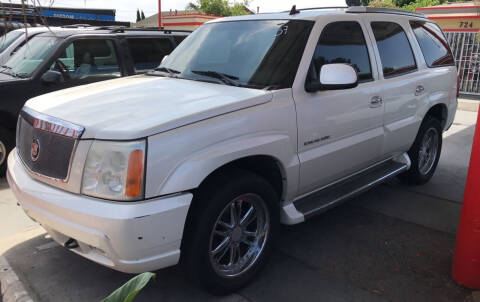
336	193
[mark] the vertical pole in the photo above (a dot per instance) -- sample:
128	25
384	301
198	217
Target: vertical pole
466	261
159	14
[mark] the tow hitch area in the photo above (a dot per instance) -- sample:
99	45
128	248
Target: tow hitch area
71	244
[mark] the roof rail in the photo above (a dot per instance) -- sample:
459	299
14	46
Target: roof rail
167	31
313	8
76	25
381	10
113	29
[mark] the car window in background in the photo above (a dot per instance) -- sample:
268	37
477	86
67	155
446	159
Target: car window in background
434	46
8	39
179	39
342	42
89	58
26	60
148	53
395	51
257	54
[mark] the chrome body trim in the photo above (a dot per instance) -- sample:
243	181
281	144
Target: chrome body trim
340	180
353	193
51	124
60	127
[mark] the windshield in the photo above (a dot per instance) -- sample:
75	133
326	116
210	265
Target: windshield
8	39
26	60
257	54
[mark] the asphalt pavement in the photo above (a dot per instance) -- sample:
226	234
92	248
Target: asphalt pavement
393	243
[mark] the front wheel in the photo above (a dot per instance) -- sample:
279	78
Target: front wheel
7	142
232	231
425	152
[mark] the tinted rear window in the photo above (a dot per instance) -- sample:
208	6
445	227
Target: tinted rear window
395	51
148	53
434	47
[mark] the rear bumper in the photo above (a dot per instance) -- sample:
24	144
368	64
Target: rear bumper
128	237
452	111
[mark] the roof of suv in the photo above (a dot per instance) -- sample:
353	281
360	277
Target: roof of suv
315	13
68	31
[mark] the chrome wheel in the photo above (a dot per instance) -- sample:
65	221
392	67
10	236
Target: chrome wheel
3	152
428	151
239	235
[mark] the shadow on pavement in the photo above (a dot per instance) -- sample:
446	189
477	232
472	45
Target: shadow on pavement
346	254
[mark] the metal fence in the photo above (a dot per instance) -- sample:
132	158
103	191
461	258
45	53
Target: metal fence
466	50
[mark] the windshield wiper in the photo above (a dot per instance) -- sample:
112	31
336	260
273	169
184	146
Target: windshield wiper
226	78
4	70
171	72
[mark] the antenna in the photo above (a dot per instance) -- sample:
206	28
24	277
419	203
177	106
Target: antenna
294	10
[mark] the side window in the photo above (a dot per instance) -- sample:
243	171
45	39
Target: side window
395	51
179	39
89	58
434	47
148	53
342	42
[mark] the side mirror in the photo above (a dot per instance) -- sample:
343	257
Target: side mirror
51	77
335	77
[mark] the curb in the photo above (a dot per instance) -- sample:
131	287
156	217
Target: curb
12	289
468	105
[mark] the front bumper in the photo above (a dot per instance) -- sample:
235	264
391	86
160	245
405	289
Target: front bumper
130	237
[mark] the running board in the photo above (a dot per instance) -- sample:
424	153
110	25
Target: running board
339	192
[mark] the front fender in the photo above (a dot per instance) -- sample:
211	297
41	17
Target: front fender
180	159
190	173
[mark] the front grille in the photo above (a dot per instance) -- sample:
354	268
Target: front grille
46	144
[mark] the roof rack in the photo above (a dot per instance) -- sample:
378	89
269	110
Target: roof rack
297	10
167	31
76	26
381	10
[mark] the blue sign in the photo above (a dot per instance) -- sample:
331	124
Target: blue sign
73	15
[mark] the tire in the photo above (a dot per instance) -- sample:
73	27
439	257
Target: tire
7	142
422	170
244	190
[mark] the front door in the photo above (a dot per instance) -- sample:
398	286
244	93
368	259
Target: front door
339	131
85	61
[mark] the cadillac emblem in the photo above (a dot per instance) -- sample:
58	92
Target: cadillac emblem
35	149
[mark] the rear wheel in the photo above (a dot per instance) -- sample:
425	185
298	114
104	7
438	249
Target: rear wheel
231	233
425	152
6	145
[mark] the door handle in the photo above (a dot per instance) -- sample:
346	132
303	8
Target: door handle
376	102
419	90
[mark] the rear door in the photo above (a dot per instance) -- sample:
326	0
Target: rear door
402	78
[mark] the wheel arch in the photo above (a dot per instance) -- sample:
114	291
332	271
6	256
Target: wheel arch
440	112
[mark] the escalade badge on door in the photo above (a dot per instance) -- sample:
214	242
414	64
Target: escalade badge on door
35	149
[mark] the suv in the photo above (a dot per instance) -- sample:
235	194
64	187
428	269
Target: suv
251	122
72	56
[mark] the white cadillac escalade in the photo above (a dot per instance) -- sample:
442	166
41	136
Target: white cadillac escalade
251	122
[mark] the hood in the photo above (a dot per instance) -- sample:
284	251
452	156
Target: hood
8	78
141	106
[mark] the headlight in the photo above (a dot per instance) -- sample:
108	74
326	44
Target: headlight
115	170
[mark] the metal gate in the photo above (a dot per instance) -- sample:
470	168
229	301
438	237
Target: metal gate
466	50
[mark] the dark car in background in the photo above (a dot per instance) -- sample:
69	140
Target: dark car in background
60	59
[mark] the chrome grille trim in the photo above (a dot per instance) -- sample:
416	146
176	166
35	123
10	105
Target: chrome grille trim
53	129
50	124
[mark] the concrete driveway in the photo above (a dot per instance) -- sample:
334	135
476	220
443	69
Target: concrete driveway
394	243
